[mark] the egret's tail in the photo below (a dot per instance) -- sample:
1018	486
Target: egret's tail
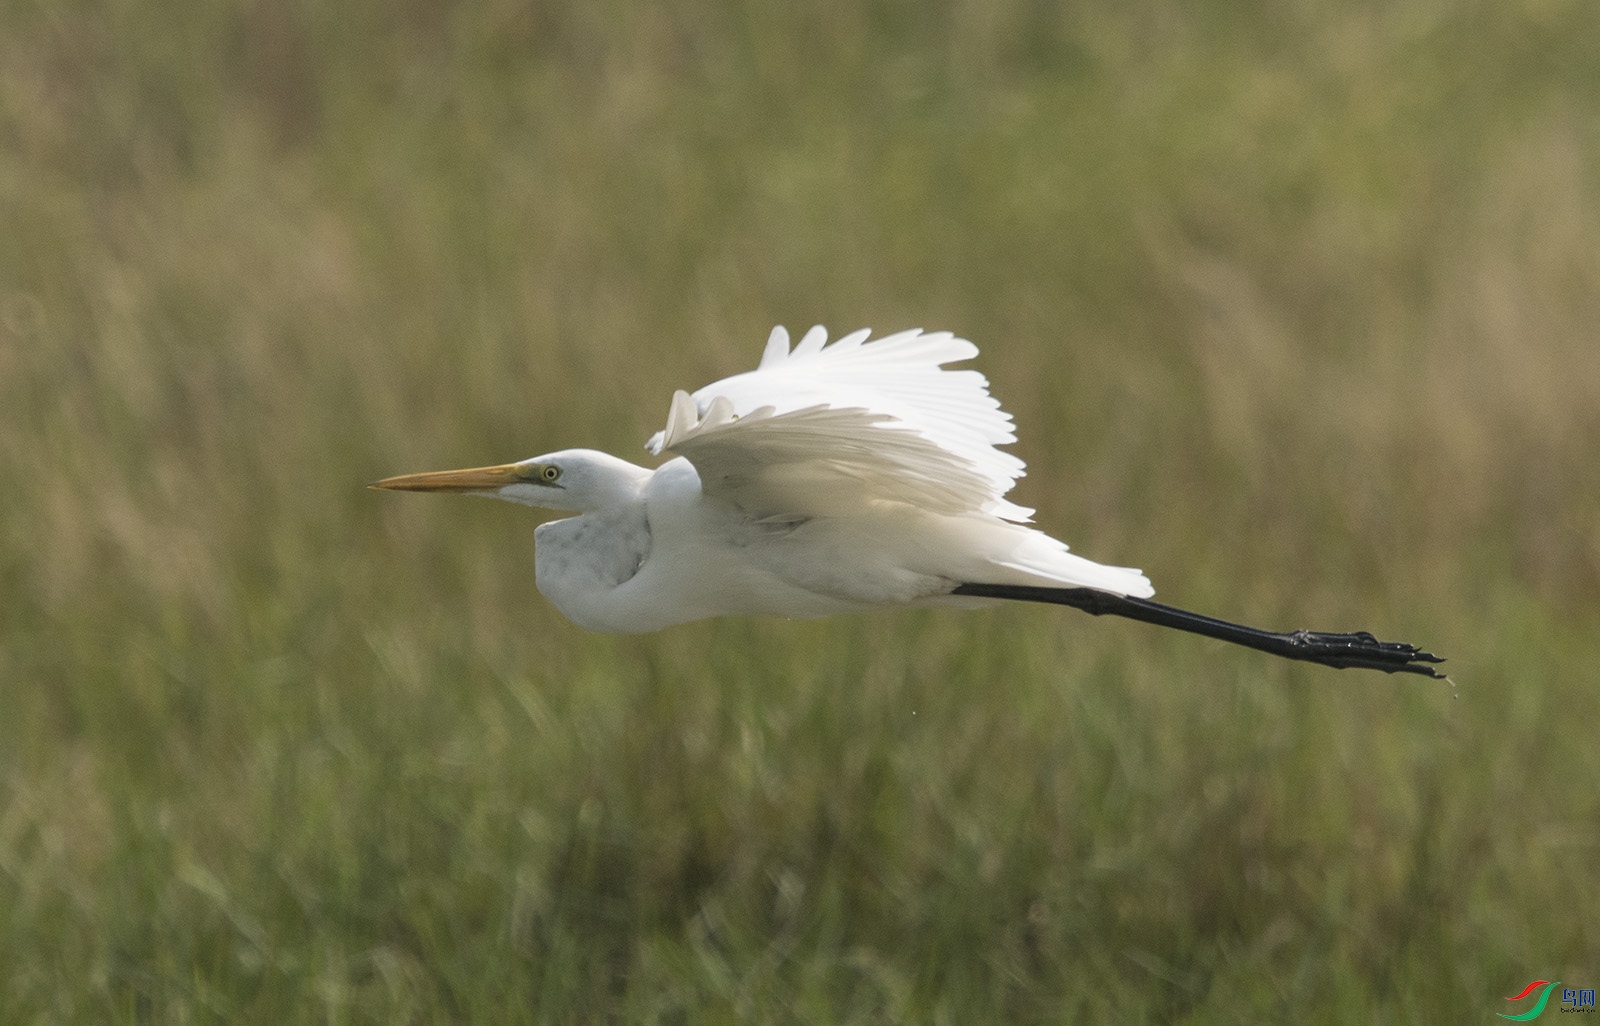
1356	649
1020	555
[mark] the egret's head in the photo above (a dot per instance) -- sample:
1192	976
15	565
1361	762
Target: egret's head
575	480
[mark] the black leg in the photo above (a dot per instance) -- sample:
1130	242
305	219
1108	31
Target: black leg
1357	649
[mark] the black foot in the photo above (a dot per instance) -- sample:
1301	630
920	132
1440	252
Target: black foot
1360	650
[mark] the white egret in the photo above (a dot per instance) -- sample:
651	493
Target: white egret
831	479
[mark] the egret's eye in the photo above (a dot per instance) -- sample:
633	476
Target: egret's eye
549	474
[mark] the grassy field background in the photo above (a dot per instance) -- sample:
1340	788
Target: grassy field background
1296	306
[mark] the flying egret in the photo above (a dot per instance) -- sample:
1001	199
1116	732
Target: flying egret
831	479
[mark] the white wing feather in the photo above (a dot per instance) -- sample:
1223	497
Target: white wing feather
933	431
819	461
841	429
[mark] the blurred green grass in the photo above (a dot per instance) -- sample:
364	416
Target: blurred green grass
1296	306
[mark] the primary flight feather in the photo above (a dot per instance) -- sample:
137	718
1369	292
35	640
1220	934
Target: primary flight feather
831	479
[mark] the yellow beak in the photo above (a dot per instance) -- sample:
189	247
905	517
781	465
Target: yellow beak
478	479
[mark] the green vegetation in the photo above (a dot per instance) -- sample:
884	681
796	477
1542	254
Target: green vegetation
1296	306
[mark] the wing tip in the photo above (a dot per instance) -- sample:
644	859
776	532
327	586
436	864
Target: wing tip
777	349
953	348
812	341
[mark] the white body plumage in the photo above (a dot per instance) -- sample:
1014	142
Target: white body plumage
831	479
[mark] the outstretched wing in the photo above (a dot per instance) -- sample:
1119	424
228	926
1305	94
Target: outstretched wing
823	429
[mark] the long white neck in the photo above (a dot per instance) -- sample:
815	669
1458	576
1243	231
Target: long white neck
580	561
